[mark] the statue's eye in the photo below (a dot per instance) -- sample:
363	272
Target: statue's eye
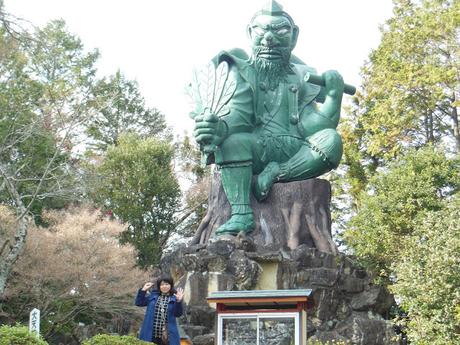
259	31
282	31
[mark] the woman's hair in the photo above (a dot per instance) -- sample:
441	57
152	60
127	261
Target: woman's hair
167	279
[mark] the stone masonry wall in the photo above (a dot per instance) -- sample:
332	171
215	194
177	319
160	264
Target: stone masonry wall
346	305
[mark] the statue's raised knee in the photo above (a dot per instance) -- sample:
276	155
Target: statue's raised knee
329	144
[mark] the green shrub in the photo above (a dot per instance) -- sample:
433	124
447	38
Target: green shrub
18	335
104	339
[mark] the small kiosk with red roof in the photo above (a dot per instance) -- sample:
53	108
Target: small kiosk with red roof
261	317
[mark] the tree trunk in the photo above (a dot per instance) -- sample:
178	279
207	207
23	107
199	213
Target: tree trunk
454	116
429	131
12	252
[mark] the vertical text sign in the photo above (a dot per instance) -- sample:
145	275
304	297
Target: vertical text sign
34	321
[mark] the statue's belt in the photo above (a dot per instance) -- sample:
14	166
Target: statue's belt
276	140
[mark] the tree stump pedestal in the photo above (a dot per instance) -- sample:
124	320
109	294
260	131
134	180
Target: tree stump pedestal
294	213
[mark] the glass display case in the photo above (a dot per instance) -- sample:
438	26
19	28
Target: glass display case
258	329
261	317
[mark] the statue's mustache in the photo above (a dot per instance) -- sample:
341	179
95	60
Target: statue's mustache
283	52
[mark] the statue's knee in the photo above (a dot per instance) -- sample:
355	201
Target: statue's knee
329	144
237	139
237	147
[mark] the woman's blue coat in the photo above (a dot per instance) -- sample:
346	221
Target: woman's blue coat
174	310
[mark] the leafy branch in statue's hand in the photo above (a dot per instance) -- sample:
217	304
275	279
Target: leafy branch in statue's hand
211	89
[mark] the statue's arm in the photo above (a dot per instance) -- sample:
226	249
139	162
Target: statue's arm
239	118
241	110
333	97
312	120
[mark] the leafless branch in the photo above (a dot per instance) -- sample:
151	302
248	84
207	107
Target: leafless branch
4	245
15	26
12	190
47	170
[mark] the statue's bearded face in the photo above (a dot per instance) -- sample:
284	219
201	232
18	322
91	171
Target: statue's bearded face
273	38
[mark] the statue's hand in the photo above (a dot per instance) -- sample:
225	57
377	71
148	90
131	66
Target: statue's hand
334	87
209	129
334	84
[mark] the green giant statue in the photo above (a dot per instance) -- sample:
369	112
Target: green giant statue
263	115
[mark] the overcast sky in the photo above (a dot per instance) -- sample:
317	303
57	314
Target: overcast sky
158	43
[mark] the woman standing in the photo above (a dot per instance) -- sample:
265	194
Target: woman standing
163	306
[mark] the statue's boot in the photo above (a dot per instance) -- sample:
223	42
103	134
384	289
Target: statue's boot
236	180
320	153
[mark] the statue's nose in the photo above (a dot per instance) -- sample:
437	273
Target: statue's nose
269	39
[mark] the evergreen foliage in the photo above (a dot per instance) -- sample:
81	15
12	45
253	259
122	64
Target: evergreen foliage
137	184
409	97
396	202
401	177
122	110
18	335
428	277
410	90
103	339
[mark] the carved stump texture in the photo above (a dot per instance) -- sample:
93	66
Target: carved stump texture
294	213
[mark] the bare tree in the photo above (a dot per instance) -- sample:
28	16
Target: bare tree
74	269
45	99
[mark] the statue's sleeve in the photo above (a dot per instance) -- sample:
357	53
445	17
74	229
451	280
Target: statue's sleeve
311	120
308	92
241	106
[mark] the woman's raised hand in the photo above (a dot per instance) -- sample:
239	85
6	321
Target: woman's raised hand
179	294
147	286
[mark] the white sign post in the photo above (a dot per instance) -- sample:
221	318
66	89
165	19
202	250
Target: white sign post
34	321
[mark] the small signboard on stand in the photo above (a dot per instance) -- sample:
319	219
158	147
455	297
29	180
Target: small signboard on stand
269	317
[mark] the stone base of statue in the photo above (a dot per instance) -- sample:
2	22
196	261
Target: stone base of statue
291	248
346	306
294	213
